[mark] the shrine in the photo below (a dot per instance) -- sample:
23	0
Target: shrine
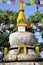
21	40
22	50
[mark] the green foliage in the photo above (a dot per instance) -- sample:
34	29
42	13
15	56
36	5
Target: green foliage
8	16
42	35
41	47
35	18
3	39
13	17
30	19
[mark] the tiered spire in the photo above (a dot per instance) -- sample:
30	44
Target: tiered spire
21	20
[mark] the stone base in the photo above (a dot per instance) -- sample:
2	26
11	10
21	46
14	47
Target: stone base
22	63
13	56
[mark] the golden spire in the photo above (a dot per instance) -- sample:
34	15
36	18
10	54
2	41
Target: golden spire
21	16
21	5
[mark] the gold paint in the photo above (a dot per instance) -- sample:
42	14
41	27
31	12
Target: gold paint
20	47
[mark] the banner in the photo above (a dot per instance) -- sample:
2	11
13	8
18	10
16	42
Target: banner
41	2
8	2
27	1
32	1
21	0
37	1
4	1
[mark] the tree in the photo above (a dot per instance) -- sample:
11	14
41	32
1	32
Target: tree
30	19
4	39
13	22
37	17
34	18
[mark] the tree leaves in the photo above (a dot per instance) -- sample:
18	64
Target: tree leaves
34	18
3	39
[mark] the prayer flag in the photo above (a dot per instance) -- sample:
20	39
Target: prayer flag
8	2
32	1
13	2
27	1
41	2
21	0
37	1
4	1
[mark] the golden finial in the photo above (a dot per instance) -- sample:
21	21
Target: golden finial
21	5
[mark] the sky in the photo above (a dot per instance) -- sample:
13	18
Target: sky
28	10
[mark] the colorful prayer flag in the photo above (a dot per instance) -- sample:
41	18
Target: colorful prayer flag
28	25
8	2
28	4
41	2
4	1
37	1
32	24
32	1
13	2
17	2
36	24
27	1
21	0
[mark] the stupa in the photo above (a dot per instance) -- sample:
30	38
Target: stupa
20	40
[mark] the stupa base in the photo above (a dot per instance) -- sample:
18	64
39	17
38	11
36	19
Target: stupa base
13	56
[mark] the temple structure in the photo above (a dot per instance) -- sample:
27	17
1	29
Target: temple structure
21	42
